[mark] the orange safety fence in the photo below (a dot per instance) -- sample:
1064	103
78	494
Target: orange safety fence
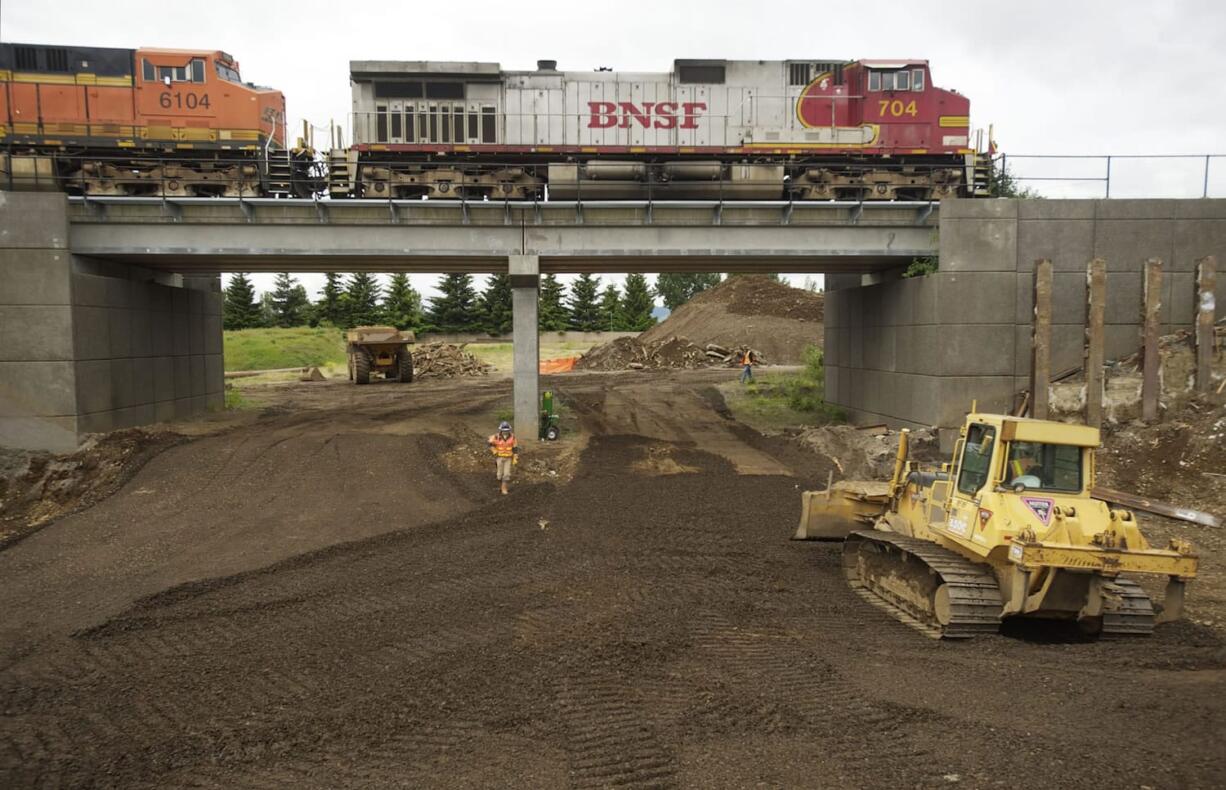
560	365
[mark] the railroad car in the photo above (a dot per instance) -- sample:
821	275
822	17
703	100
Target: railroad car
105	121
760	129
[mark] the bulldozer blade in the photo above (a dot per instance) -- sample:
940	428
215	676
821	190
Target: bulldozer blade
843	507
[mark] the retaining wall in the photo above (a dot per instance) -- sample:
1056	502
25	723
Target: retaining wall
917	351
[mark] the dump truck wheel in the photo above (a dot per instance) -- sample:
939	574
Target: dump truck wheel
361	367
551	433
406	367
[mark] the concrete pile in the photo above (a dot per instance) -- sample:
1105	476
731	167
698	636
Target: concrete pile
445	361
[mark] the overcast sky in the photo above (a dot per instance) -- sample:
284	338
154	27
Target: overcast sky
1066	77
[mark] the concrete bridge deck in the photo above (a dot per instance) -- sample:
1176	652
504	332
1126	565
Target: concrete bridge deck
218	234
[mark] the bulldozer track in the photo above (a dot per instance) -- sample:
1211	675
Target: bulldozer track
974	597
1134	614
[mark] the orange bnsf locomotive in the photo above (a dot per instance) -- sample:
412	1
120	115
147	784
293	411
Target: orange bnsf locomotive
103	121
797	129
161	122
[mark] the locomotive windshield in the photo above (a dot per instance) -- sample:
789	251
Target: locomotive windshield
227	73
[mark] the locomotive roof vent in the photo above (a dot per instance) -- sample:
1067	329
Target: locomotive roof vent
546	65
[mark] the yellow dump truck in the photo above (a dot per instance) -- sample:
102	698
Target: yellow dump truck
379	349
1008	528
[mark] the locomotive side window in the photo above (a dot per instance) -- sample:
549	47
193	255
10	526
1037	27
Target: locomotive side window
917	80
902	80
874	80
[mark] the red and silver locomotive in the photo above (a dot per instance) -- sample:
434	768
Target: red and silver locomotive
736	129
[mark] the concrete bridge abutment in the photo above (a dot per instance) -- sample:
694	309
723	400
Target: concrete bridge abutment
915	352
89	345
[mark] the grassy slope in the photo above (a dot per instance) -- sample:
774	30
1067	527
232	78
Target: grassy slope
268	349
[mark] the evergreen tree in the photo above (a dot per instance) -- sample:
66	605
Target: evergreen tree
289	302
240	310
584	308
677	289
330	310
552	314
637	305
402	303
268	311
610	309
455	309
361	299
496	304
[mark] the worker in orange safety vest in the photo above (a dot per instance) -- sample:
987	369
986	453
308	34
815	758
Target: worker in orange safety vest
747	362
506	453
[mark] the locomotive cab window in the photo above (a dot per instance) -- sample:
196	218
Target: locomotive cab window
192	71
881	80
226	73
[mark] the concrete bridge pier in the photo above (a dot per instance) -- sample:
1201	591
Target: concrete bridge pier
525	271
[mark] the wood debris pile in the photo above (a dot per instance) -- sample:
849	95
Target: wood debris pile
445	361
732	356
628	353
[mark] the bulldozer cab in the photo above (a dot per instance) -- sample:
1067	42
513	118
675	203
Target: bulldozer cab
1014	454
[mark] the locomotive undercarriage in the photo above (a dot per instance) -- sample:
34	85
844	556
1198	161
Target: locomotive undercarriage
351	175
444	182
147	175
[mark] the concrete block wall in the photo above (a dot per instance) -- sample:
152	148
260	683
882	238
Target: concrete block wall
916	351
89	345
145	351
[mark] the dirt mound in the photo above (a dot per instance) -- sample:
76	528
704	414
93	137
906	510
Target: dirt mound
749	310
38	488
632	353
446	360
867	454
1181	460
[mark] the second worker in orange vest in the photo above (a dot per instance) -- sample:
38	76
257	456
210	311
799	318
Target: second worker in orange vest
506	453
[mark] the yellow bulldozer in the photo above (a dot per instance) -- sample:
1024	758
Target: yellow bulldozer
1007	529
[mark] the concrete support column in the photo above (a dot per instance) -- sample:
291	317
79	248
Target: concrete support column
525	271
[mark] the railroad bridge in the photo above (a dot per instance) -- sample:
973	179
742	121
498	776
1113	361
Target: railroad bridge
110	309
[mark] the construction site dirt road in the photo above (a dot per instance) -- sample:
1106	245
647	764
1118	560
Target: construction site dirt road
329	592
